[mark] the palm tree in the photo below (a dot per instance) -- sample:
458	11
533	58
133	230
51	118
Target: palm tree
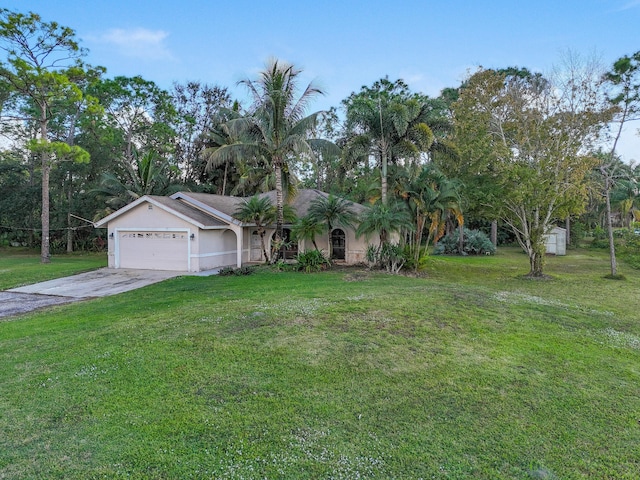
277	130
384	219
147	176
261	212
307	228
332	211
386	121
431	197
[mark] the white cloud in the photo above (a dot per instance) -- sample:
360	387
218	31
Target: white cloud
138	43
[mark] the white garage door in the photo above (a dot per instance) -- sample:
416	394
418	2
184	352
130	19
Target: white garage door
153	250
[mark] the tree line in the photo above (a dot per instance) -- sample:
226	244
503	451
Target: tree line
508	148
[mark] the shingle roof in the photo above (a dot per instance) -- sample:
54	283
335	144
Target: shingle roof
193	206
228	204
187	210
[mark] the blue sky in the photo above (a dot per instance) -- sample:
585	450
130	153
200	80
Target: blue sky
342	45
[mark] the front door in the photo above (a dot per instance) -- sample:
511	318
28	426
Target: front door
256	247
338	244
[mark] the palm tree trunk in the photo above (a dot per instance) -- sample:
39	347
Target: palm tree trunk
279	210
383	178
261	232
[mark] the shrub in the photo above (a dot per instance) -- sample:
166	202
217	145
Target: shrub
389	256
312	261
475	243
578	232
231	271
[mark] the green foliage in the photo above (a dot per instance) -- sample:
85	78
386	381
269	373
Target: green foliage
384	219
237	272
475	242
629	248
388	256
312	261
578	233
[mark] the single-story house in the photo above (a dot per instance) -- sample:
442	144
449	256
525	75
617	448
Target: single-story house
193	232
556	241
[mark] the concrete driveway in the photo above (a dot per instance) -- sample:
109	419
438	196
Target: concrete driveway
97	283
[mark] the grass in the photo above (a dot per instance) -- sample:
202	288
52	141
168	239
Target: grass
471	372
24	267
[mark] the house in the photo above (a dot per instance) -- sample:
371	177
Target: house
193	232
556	241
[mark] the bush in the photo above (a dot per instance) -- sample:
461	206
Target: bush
231	271
475	243
389	256
578	232
312	261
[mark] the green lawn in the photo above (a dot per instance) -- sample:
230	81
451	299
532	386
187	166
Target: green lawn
24	268
469	372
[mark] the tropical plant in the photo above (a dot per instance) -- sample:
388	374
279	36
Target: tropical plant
384	219
307	228
333	212
312	261
261	212
431	198
388	122
276	130
148	175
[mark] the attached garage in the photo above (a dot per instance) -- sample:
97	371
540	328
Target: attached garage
162	233
152	249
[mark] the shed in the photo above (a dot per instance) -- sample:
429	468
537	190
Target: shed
556	241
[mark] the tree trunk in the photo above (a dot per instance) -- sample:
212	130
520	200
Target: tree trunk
224	179
612	246
536	262
383	178
494	232
45	254
460	239
261	232
69	229
279	209
567	226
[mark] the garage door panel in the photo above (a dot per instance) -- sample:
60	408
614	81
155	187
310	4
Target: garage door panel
154	250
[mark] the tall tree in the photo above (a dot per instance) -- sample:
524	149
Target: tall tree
623	81
277	129
197	105
387	122
40	60
537	134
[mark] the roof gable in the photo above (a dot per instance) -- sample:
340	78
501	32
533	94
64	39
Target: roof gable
207	210
175	207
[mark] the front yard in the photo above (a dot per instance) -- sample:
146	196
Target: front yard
469	372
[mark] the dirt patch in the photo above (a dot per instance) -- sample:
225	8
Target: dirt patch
12	303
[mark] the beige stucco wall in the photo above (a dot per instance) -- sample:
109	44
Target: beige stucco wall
216	248
356	248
